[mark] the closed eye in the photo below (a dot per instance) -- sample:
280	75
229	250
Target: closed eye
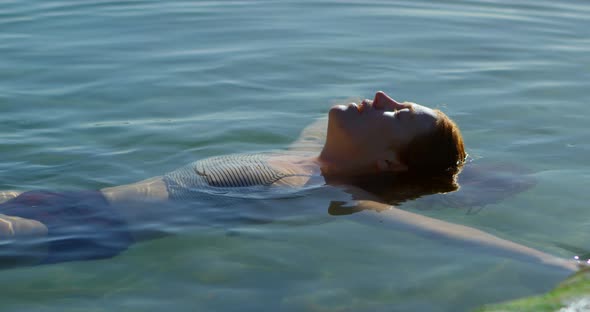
401	112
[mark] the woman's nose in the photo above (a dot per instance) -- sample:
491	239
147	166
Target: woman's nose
383	101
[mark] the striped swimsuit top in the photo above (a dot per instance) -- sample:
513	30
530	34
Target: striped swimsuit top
236	175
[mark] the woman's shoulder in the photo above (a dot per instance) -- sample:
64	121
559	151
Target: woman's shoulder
312	138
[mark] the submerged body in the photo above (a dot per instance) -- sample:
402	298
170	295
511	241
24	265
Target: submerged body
224	175
113	217
350	146
116	213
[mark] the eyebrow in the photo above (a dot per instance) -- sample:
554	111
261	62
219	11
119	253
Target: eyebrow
409	106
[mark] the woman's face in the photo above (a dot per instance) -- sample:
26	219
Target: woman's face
379	125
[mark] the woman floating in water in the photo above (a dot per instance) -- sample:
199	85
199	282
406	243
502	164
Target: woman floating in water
380	152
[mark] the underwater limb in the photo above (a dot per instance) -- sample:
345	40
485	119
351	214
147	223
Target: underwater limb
387	215
21	241
8	195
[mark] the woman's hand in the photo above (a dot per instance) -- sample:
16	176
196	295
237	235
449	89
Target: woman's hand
14	227
19	241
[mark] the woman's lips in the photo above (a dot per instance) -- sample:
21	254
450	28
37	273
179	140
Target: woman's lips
360	108
355	107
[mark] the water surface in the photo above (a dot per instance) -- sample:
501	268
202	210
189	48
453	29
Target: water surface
102	93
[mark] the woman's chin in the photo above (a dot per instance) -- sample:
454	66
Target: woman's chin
340	108
337	115
343	112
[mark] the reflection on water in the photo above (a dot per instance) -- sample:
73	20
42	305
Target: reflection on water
483	184
103	93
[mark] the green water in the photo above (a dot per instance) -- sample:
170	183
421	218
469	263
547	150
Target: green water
102	93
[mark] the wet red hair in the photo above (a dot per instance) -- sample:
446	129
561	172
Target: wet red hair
438	152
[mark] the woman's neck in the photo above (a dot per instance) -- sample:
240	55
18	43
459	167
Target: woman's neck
340	165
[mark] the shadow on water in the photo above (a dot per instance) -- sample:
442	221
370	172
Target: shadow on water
482	185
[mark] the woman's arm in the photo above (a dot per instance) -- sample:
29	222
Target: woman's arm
20	242
152	189
312	138
372	210
12	227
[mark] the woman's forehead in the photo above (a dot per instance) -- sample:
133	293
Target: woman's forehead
421	110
